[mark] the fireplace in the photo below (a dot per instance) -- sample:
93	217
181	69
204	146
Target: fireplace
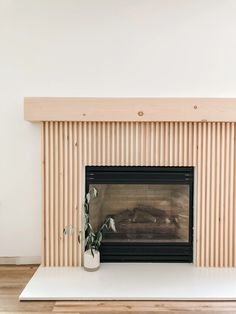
138	132
152	208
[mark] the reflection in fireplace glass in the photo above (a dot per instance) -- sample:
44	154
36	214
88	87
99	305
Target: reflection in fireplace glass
143	212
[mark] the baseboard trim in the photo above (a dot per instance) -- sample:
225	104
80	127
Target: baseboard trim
19	260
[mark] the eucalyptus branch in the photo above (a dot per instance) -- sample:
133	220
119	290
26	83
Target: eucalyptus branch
93	239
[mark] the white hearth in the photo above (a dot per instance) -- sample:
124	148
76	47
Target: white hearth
132	281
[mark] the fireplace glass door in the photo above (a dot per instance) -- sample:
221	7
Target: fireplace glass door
151	208
142	212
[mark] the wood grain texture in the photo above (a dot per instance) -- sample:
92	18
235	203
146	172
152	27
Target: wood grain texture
14	278
140	307
130	109
209	147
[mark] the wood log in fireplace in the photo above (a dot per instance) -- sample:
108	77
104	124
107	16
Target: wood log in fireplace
144	224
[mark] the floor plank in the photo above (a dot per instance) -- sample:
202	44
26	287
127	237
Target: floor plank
12	281
145	307
14	278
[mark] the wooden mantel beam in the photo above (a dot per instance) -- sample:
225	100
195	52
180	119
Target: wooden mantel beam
130	109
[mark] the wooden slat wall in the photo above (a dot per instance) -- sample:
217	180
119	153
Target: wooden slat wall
209	146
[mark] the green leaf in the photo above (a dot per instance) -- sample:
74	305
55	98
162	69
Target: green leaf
112	225
68	230
86	208
95	192
88	197
98	239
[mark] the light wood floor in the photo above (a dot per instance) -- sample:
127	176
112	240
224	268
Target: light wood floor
14	278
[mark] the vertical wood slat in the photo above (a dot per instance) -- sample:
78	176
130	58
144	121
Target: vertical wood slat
75	191
52	192
222	196
61	192
67	147
234	203
161	144
171	144
70	190
231	198
80	188
202	226
194	161
127	143
198	197
185	143
217	195
43	185
113	152
142	147
176	143
181	146
208	194
190	144
212	195
47	198
66	194
56	196
166	145
226	192
157	143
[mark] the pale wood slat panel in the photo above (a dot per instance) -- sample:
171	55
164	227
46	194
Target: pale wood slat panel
69	146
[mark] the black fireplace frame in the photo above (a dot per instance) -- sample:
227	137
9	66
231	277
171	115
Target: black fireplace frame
148	252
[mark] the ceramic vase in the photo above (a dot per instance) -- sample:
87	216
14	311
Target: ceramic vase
91	263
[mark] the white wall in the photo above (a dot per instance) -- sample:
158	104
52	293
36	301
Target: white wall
97	48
